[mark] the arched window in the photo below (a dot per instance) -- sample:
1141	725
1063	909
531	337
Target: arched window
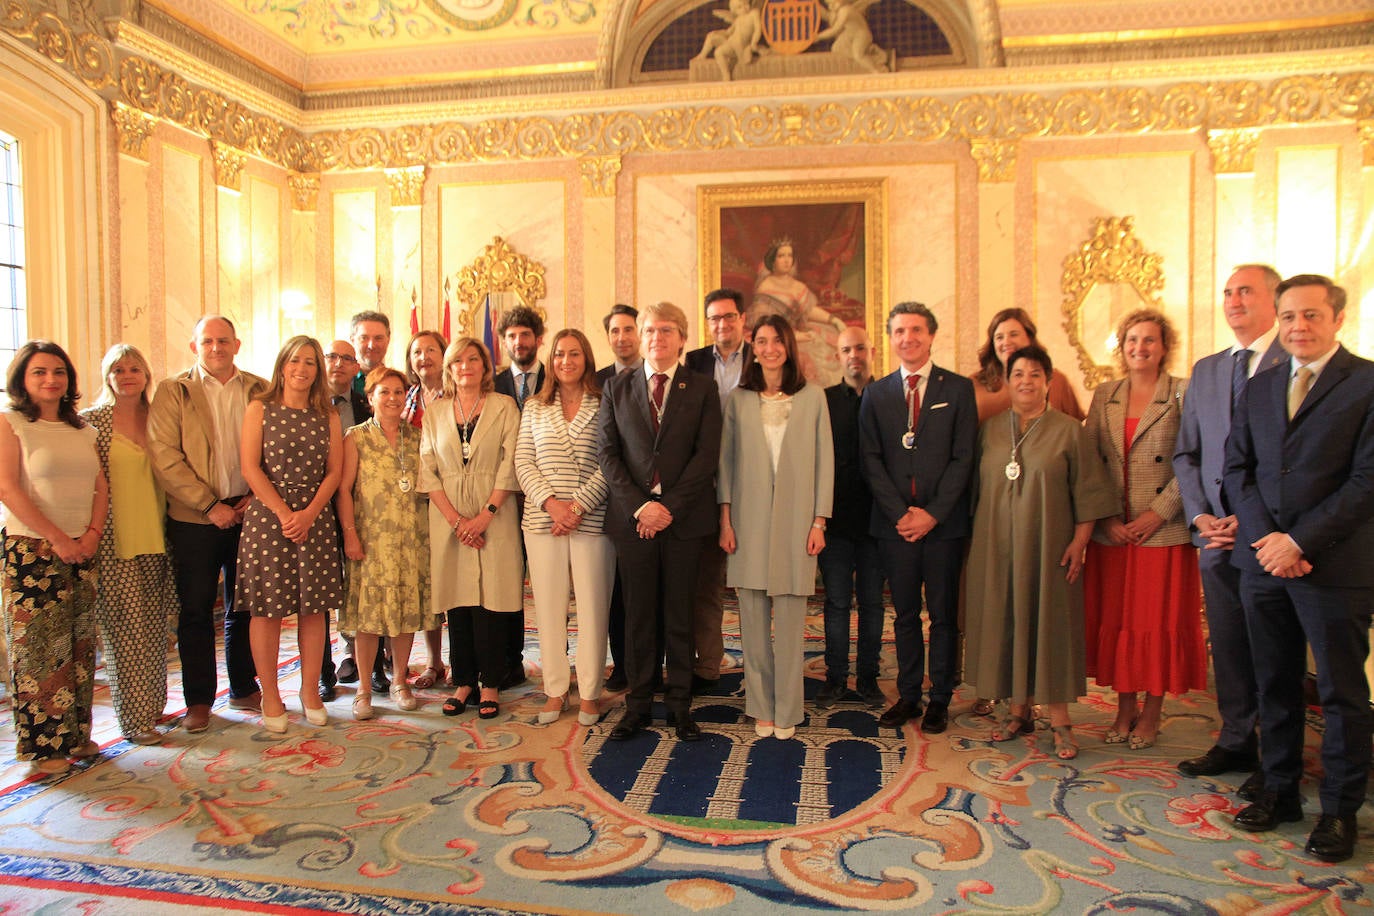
13	326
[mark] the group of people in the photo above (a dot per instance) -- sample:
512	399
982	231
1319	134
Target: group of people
1045	547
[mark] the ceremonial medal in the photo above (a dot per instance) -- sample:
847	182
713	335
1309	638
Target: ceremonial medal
909	440
404	484
1013	470
467	450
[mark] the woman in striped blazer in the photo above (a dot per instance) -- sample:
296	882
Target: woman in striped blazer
565	504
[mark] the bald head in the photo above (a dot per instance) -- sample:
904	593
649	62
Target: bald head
341	364
854	348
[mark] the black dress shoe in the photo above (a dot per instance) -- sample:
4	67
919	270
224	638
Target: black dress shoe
686	727
1252	788
327	693
1218	760
631	725
379	682
936	718
1270	810
348	671
899	713
617	681
703	685
1333	839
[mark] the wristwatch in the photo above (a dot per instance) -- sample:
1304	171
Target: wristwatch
576	510
491	507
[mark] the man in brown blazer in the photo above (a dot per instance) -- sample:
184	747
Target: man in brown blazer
658	445
194	426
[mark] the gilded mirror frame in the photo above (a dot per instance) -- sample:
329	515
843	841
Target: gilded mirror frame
498	269
1111	254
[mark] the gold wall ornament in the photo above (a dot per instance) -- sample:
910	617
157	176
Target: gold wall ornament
134	128
498	269
1233	150
229	163
407	185
1367	141
599	175
996	159
1107	276
305	191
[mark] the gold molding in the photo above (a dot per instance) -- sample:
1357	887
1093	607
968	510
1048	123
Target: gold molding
1111	255
134	128
1366	129
499	268
229	162
1233	150
996	159
599	175
1219	31
407	185
305	191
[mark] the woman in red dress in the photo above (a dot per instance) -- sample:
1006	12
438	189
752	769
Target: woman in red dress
1142	591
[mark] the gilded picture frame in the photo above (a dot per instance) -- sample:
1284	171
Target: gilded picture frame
835	277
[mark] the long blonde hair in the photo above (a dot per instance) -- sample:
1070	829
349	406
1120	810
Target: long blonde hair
319	389
107	363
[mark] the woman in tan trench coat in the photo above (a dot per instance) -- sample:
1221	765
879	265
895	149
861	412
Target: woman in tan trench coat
467	466
775	484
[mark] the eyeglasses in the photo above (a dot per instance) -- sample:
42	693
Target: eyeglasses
717	319
339	358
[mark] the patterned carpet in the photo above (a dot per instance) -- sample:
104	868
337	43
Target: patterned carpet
417	813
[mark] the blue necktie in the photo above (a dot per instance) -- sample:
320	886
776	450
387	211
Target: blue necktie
1240	374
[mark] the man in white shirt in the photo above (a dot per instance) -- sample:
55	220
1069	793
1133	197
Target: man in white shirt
194	426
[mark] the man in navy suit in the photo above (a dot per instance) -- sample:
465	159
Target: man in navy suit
918	428
724	360
622	333
1300	476
659	443
1199	456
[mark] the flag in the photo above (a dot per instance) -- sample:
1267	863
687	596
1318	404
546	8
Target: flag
414	314
488	339
446	328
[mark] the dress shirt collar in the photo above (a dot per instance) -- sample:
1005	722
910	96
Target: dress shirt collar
1317	365
1258	347
649	373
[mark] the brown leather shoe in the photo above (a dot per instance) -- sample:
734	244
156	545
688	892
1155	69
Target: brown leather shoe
250	703
197	718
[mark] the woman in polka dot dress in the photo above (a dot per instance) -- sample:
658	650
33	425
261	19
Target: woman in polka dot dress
288	562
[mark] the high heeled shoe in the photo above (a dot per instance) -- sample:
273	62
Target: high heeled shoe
362	707
763	729
316	716
275	724
588	718
549	716
402	697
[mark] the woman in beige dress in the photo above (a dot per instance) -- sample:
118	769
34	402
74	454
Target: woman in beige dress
467	466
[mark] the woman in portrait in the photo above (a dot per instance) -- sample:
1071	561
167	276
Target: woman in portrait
774	485
467	466
288	560
779	292
1010	330
135	592
1142	588
565	505
1040	490
56	501
386	537
425	375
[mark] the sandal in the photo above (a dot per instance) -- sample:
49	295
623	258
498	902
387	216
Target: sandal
1140	742
488	709
430	676
1115	737
1065	748
456	705
982	706
1012	726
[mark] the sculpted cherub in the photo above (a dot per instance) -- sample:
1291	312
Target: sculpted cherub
737	45
853	39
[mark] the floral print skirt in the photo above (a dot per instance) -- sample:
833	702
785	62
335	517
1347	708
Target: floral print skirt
50	630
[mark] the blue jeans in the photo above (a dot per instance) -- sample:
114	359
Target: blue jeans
852	567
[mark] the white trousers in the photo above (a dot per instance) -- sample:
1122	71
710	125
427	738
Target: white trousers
586	564
772	632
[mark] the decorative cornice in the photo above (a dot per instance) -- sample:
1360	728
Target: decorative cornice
1067	50
1233	150
229	162
996	159
599	175
406	185
305	191
134	128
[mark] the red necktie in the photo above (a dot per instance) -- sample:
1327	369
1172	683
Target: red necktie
660	382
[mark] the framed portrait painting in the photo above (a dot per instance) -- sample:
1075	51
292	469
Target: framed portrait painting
810	251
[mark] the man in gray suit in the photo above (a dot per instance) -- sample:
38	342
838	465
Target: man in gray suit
1217	383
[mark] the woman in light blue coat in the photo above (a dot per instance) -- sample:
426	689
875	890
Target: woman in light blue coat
774	486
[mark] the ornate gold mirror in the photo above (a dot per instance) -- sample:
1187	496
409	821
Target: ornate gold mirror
499	278
1108	276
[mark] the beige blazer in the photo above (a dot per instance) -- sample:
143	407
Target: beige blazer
181	443
492	577
772	513
1152	482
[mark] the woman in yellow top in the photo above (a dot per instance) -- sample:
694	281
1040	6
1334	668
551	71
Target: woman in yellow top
135	593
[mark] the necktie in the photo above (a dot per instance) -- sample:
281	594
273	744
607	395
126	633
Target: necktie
1302	383
1240	374
913	400
660	382
524	387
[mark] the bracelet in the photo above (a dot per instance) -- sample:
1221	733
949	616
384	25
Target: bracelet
458	521
350	528
819	526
